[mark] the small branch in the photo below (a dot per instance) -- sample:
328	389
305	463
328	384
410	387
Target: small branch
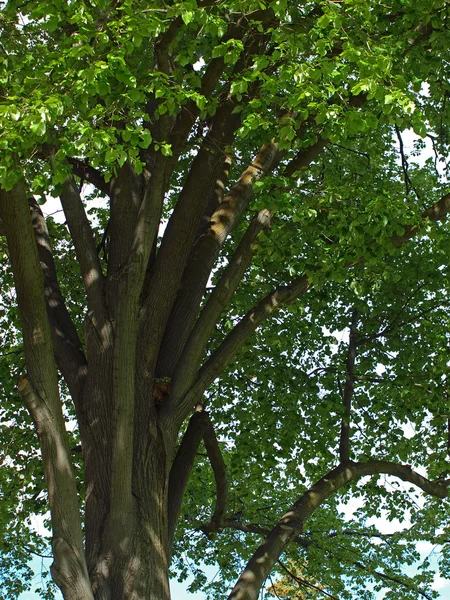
182	466
393	579
344	445
305	583
435	213
220	476
405	166
89	174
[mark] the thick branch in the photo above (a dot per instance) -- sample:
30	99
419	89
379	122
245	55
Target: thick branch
179	236
204	255
86	252
41	395
291	524
304	158
344	445
221	295
227	350
67	347
126	197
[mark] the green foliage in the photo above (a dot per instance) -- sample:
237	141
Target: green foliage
76	80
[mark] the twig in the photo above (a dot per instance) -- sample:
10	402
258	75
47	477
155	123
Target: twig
344	444
408	183
304	582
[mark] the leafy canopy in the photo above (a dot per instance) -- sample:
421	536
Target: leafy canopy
101	83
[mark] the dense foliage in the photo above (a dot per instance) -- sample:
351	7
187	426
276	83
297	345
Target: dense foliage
294	156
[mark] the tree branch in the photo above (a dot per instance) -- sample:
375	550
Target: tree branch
180	233
434	213
182	466
224	354
220	475
67	347
86	253
291	524
220	297
344	445
89	174
40	393
304	582
204	255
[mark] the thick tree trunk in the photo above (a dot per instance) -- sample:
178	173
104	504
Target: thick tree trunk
131	564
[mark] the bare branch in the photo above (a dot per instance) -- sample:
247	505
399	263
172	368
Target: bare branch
182	466
220	476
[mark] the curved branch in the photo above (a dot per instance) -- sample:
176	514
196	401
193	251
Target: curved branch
220	475
291	524
182	466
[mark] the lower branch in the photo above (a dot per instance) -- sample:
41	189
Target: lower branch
291	524
69	570
40	393
220	476
182	466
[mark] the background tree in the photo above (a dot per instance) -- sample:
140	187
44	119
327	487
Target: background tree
258	195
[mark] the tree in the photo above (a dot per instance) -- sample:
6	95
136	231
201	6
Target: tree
268	141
